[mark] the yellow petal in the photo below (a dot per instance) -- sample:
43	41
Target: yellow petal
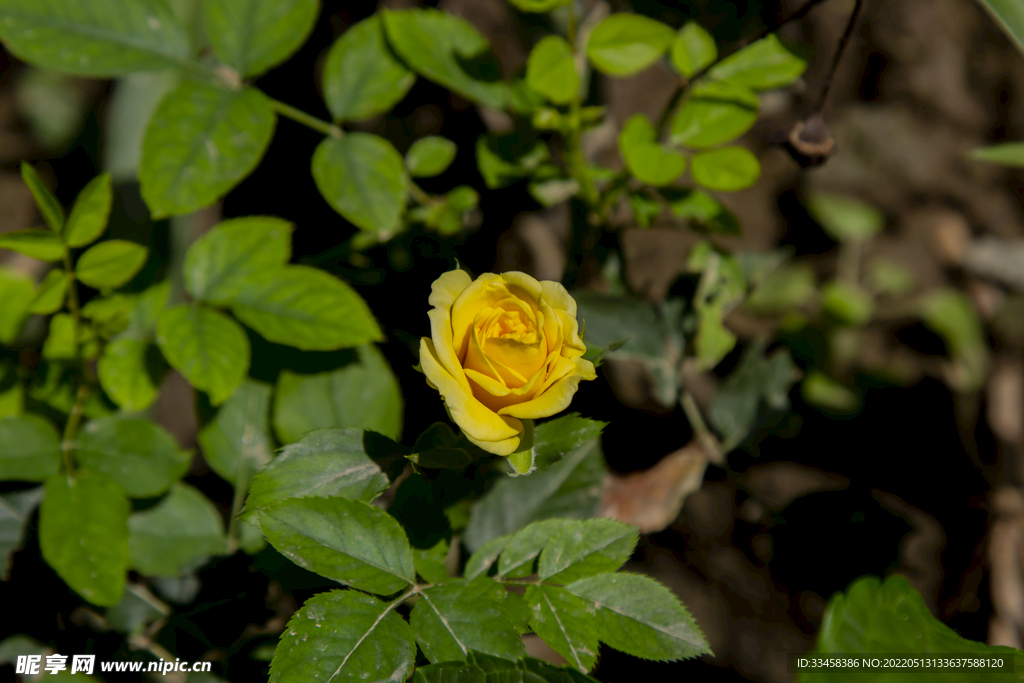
556	295
476	420
488	291
503	447
443	293
556	398
447	288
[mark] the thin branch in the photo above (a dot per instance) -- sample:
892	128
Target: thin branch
305	119
839	54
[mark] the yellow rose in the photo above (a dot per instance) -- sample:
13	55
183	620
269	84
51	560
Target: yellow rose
502	349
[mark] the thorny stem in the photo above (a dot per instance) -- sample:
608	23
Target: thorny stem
305	119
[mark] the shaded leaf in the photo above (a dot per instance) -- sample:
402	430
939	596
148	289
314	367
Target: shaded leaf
15	509
349	541
430	564
727	169
83	535
31	448
49	207
563	621
90	213
208	348
183	528
553	439
705	211
485	557
49	296
251	36
845	219
137	454
447	622
785	289
16	294
239	436
624	44
110	264
44	245
124	374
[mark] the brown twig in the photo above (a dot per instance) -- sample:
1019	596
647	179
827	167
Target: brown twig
839	55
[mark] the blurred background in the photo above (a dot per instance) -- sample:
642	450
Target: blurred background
916	469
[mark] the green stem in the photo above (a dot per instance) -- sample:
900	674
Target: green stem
305	119
419	194
707	441
241	486
71	430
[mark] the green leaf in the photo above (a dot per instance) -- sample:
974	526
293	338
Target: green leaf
715	112
111	314
330	462
60	344
306	308
83	535
707	212
727	169
16	294
563	621
890	278
646	159
586	548
485	556
239	436
363	394
201	141
449	672
845	219
97	38
553	439
713	341
847	303
137	609
90	213
874	617
12	391
539	5
448	50
347	637
124	373
504	160
430	156
624	44
137	454
734	409
765	64
363	178
822	391
31	448
251	36
219	264
349	541
362	77
949	312
551	71
35	242
183	528
15	509
570	488
207	347
110	264
447	622
430	564
517	559
785	289
49	296
1010	16
693	49
48	205
641	617
1005	153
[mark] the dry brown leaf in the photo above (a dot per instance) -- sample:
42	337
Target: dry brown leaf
652	499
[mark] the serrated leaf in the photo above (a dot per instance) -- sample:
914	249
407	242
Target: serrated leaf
251	36
581	549
218	264
624	44
349	541
83	535
184	527
362	177
16	293
97	38
347	637
137	454
110	264
444	48
449	672
570	488
363	394
647	160
31	448
551	71
44	245
447	623
306	308
362	77
485	557
239	435
49	296
874	617
15	509
90	213
49	207
641	617
553	439
517	559
430	156
693	49
715	112
430	564
124	374
201	141
762	65
727	169
564	622
207	347
330	462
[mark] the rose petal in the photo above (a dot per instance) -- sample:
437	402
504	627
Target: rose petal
556	398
